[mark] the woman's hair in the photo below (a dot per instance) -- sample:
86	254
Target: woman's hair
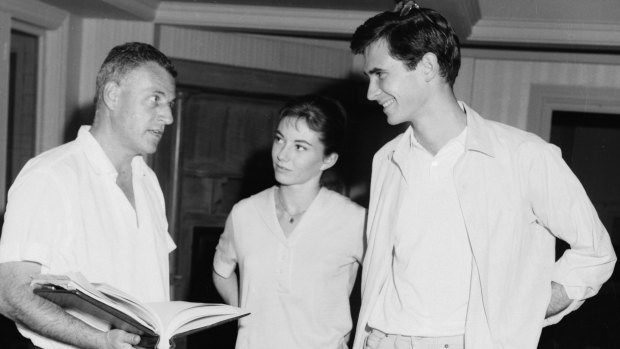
323	115
411	35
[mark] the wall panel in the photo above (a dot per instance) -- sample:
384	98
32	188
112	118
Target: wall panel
98	37
324	58
501	88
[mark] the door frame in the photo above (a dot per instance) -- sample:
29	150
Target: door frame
51	26
544	99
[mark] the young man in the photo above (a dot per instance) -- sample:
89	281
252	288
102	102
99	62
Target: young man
94	206
464	212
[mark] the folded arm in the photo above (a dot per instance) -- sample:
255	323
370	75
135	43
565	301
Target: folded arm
20	304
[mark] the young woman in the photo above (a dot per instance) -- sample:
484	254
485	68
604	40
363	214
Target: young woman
298	245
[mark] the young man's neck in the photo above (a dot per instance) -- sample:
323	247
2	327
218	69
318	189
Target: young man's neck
443	121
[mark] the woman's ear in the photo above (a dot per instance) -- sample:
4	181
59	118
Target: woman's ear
329	161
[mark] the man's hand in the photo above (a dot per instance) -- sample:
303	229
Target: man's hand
119	339
559	300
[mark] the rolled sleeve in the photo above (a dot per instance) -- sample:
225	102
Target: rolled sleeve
31	227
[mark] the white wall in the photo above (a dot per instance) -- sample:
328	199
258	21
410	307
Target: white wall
324	58
97	38
501	88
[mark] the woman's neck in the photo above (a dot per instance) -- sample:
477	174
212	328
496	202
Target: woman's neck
296	199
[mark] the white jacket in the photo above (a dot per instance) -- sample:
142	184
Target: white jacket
516	195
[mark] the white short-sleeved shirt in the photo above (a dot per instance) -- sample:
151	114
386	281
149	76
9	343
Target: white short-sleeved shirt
66	212
297	288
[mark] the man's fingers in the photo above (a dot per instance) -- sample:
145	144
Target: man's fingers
119	339
131	338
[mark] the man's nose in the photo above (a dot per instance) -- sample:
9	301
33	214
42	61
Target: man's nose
373	90
166	115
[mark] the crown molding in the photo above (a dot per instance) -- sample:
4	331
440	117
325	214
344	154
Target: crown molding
462	14
34	12
262	18
142	9
562	33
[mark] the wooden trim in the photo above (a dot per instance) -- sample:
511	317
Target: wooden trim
261	18
546	32
35	12
544	99
547	55
142	9
255	81
27	27
5	52
463	14
51	101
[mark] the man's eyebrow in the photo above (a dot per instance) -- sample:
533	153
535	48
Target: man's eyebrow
164	93
374	71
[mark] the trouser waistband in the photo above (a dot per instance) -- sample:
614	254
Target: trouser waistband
447	342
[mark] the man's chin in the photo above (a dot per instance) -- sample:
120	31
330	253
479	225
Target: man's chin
393	120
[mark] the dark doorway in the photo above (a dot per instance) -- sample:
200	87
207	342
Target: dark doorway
22	102
20	136
590	144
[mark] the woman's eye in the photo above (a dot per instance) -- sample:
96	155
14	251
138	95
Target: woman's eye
300	147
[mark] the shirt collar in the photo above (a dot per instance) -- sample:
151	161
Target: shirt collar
97	157
477	138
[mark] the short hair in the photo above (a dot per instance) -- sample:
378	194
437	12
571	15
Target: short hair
126	57
412	35
323	115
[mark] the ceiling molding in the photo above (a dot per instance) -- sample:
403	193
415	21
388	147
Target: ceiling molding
35	12
516	31
262	18
142	9
462	15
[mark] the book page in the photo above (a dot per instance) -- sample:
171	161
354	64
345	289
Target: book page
180	317
125	300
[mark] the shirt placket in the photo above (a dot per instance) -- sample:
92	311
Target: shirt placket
284	262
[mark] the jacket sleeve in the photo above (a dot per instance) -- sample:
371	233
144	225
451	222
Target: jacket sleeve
562	206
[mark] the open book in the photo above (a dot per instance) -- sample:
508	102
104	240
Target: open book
106	307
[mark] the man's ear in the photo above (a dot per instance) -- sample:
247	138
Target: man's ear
329	161
111	93
430	66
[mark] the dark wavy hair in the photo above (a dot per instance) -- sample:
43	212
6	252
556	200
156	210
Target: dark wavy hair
411	36
126	57
323	115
